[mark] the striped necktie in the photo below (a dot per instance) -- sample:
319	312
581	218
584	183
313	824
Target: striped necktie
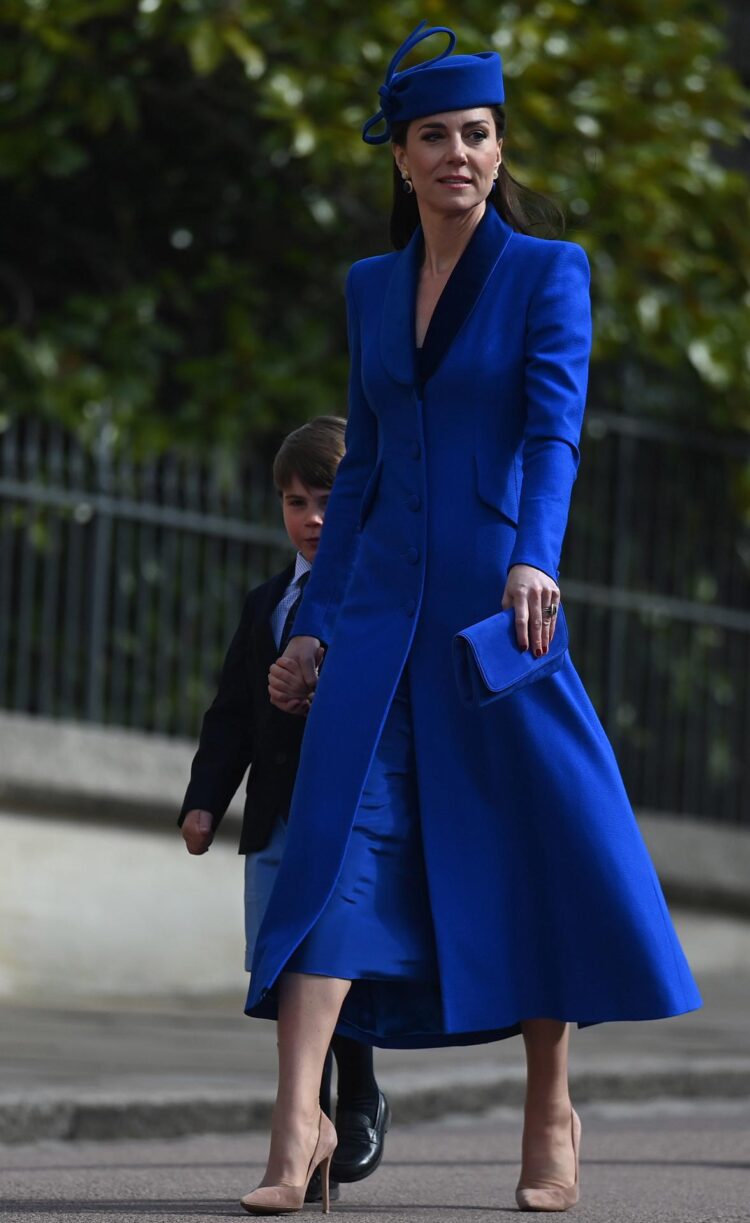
286	632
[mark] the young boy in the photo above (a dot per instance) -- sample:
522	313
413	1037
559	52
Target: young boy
243	728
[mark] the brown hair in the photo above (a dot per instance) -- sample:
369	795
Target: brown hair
527	211
312	453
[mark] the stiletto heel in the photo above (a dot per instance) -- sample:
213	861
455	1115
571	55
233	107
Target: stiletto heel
325	1173
287	1199
555	1197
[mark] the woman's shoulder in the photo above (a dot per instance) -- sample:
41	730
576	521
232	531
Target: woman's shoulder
545	252
369	271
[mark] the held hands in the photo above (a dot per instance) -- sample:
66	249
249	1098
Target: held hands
528	590
197	831
293	678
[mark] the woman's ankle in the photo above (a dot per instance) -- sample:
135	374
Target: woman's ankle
298	1115
548	1109
293	1140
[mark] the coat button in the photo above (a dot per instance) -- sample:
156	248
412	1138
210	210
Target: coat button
411	555
414	502
410	606
281	757
416	450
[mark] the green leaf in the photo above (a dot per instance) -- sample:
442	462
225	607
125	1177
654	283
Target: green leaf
206	47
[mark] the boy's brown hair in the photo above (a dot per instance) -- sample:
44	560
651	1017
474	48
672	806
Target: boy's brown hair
312	453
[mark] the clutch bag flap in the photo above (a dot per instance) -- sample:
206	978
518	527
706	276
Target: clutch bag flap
489	664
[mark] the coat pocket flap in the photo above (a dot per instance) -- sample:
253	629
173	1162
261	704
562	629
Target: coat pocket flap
497	484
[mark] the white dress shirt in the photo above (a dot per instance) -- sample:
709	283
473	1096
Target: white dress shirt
279	614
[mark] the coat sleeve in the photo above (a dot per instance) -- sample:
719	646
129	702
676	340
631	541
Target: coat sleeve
558	345
225	748
340	538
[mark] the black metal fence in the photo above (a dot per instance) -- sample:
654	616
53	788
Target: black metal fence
121	583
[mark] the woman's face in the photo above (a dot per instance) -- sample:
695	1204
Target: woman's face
451	158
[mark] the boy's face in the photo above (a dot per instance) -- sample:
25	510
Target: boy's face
304	510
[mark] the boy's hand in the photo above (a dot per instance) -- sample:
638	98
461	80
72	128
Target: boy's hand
293	678
197	831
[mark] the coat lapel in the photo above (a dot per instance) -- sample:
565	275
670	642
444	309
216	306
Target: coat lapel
397	335
456	302
463	289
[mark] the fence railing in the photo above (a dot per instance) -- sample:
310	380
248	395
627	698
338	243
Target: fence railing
121	583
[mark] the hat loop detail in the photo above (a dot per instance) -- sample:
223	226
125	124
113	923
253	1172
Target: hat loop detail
417	35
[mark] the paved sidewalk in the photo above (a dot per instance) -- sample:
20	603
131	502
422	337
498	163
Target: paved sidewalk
684	1163
146	1068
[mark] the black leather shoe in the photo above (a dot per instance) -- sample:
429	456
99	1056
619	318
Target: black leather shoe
315	1188
360	1146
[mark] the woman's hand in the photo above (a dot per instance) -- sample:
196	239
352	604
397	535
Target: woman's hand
293	678
529	591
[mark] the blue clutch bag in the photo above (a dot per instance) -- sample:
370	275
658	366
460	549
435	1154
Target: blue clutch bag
489	664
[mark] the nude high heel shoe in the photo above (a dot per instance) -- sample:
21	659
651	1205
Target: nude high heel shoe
555	1197
286	1199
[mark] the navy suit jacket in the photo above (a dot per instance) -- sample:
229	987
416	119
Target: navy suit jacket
243	728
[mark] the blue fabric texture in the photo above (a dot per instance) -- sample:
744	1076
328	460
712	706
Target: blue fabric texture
543	899
445	82
377	921
260	876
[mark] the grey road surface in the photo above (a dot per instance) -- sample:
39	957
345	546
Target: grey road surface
668	1162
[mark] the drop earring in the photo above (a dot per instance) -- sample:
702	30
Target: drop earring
407	184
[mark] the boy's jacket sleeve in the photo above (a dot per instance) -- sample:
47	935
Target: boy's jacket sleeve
226	740
558	342
338	546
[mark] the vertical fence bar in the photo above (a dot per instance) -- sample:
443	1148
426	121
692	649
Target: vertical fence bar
718	728
100	572
233	574
211	569
256	510
619	579
742	733
77	528
8	533
141	712
189	594
27	574
165	594
123	593
47	686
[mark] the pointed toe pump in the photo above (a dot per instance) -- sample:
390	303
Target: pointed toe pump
555	1197
287	1199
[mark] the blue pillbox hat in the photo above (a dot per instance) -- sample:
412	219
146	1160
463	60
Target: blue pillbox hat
445	82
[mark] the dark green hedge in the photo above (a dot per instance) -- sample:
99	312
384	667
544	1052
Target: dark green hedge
184	186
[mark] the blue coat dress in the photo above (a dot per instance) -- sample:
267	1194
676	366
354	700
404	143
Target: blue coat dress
460	462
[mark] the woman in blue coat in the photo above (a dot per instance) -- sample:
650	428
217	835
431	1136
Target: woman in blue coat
478	872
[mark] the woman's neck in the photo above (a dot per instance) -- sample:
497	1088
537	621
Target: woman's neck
446	238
